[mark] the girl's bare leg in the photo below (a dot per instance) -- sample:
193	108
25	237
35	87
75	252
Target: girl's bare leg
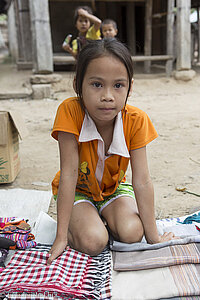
123	220
87	233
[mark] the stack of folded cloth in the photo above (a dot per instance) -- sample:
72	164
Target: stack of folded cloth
18	231
174	265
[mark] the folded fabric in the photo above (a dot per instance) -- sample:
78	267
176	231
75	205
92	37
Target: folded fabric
153	284
188	233
15	236
25	244
4	220
172	282
72	274
164	257
182	298
118	246
44	229
182	230
18	231
14	226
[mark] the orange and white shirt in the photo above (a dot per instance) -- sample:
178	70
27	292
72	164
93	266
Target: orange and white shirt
99	174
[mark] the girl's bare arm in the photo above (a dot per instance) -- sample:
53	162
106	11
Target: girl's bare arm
69	173
93	19
144	193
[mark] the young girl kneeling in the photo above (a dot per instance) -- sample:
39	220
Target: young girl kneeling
98	133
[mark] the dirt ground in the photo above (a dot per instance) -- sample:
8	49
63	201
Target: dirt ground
174	157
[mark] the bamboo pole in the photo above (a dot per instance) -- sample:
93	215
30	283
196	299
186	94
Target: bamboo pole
170	35
68	59
198	12
148	33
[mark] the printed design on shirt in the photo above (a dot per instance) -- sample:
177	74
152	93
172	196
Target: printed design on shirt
83	181
121	176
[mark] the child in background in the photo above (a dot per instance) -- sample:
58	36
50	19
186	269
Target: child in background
83	18
109	28
98	134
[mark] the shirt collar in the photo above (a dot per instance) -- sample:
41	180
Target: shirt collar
89	132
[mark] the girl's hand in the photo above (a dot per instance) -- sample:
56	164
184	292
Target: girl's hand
67	48
82	12
167	236
57	249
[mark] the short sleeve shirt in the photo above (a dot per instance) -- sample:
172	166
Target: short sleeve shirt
137	131
91	34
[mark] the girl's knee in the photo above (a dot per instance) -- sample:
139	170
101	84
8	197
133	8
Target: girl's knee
132	231
92	242
134	234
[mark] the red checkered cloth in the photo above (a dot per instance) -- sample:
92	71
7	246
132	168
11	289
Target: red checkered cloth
73	275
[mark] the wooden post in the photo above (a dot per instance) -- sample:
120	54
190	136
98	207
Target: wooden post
22	18
12	32
41	36
170	35
148	33
183	35
130	27
198	12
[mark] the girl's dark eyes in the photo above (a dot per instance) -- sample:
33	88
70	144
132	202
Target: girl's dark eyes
97	84
118	85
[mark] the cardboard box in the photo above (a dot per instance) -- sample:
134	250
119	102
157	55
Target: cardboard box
12	127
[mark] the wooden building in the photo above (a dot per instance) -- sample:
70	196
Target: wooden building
154	30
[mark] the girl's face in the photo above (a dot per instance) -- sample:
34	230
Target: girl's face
82	24
104	89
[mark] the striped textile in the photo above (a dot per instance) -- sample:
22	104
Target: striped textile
25	244
15	236
187	279
183	298
101	276
176	282
158	258
7	219
72	274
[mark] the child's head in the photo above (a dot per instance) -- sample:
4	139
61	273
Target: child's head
102	48
109	28
81	22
